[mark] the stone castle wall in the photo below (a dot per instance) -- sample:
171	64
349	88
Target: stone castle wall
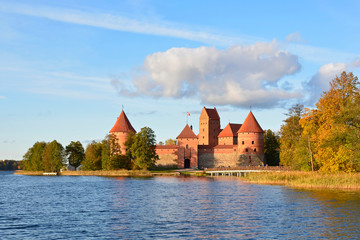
168	155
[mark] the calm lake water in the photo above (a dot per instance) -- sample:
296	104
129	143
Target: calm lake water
89	207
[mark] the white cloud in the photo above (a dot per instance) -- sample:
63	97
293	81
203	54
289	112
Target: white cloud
320	81
239	76
2	97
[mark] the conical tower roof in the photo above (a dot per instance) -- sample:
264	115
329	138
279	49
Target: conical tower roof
230	130
187	133
250	125
122	124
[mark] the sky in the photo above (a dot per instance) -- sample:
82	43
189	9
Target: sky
68	68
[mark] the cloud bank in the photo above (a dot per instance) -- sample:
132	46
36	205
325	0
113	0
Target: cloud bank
240	76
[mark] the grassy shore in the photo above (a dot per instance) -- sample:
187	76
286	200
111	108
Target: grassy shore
343	181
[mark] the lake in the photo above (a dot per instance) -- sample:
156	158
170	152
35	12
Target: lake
90	207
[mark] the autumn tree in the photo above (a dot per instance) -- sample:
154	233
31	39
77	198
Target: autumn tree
272	148
142	148
170	142
53	157
333	127
75	153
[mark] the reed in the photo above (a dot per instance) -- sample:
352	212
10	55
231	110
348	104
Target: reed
345	181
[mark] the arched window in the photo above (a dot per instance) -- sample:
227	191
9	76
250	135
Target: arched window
254	149
252	142
187	146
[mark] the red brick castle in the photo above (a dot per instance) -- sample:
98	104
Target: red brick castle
235	145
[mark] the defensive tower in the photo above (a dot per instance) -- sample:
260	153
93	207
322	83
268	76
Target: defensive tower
121	130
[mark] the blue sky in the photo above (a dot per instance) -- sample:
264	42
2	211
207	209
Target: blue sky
68	67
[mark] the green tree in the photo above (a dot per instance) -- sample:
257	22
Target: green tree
111	156
53	157
33	158
75	153
272	148
92	160
142	148
293	148
170	142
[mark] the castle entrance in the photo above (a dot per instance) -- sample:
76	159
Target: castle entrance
187	163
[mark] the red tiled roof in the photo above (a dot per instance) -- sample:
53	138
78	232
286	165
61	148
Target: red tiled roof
212	113
122	124
230	130
250	125
187	133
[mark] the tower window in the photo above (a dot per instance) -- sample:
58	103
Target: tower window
246	150
243	142
252	142
254	149
187	146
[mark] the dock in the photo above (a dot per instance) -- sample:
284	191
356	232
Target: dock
242	171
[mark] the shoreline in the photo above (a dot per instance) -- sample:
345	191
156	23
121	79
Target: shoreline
307	180
112	173
293	179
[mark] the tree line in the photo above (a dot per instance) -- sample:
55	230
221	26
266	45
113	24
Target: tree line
326	138
103	155
8	165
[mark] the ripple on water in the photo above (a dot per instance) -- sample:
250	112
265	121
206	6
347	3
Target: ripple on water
66	207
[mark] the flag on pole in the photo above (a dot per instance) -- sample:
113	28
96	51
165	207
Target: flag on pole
187	114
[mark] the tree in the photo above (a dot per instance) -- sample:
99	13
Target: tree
142	148
53	157
75	153
92	160
293	149
111	156
170	142
33	158
333	127
272	148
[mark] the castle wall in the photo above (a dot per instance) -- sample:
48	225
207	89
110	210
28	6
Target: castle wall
227	140
168	155
227	156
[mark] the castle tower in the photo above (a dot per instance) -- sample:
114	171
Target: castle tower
209	127
187	148
251	138
229	136
121	130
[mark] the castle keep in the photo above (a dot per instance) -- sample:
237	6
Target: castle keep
235	145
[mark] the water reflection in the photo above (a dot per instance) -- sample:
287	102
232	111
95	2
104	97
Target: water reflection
171	207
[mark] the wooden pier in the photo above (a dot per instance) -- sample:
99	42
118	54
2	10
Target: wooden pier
242	171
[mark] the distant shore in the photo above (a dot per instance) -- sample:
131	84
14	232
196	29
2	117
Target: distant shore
308	180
